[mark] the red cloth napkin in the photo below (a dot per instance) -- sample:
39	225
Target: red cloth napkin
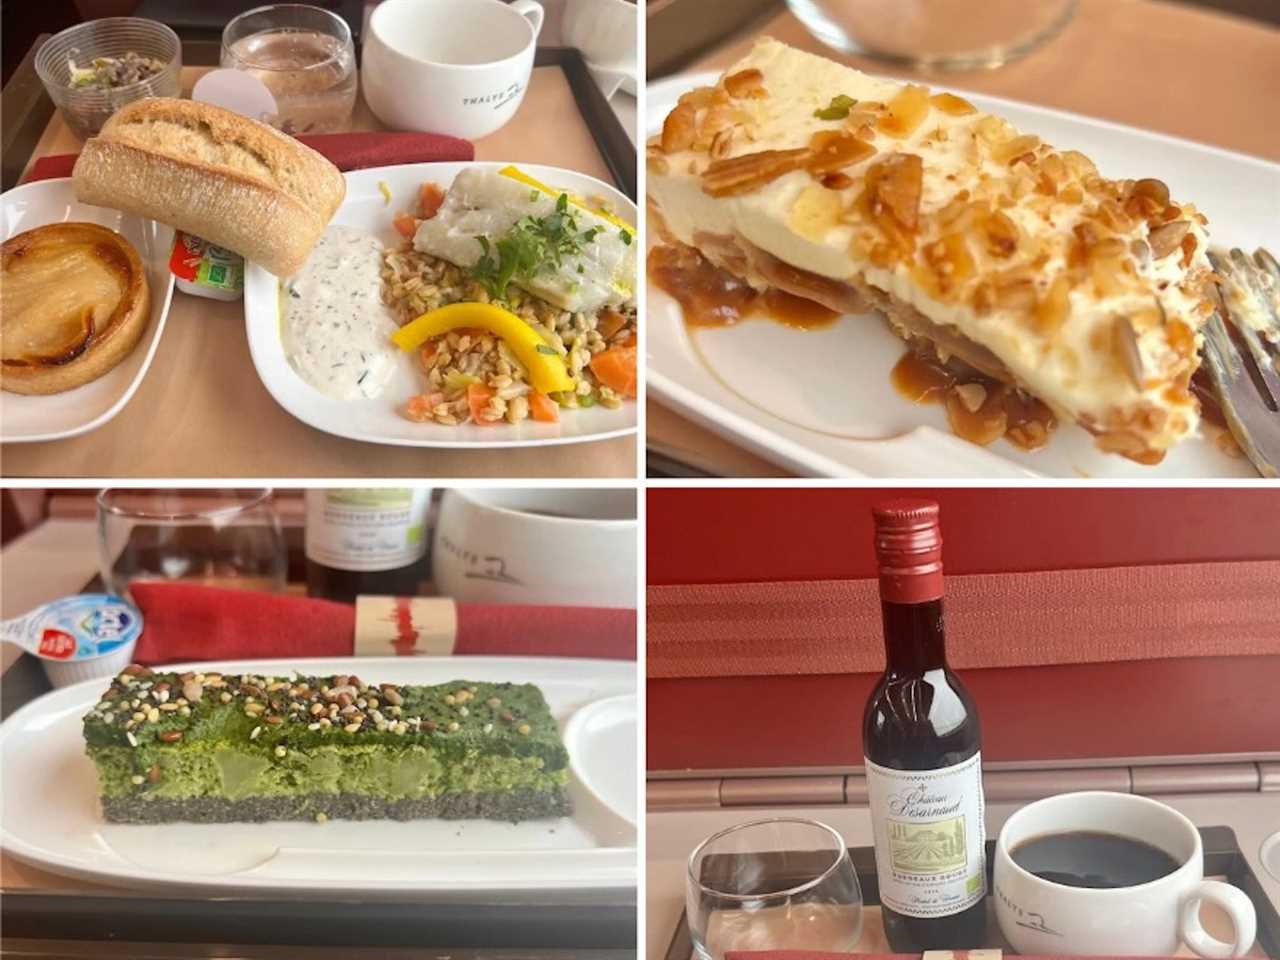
818	955
346	151
183	622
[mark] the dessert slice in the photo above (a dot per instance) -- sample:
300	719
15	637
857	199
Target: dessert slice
1015	265
213	749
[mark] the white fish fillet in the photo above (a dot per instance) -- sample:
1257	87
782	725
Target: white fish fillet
485	203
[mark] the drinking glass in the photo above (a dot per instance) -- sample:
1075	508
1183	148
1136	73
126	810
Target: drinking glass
935	34
304	56
781	883
217	538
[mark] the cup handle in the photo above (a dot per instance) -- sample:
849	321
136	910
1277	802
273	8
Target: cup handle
1234	903
531	10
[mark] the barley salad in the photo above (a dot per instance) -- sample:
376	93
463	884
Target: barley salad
516	299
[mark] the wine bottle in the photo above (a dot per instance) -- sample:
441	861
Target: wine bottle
923	751
366	541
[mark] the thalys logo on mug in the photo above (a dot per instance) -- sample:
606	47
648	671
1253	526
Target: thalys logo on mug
496	100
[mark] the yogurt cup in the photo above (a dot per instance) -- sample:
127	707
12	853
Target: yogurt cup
76	638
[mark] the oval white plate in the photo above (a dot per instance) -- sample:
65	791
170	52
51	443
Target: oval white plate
831	410
49	812
378	420
29	419
601	739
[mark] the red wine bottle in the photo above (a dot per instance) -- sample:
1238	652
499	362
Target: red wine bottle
923	751
366	542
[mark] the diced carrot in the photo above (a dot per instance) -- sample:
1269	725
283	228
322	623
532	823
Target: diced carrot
616	369
428	351
429	199
478	397
610	322
420	407
542	408
405	224
631	341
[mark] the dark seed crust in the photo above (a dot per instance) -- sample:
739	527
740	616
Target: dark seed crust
511	805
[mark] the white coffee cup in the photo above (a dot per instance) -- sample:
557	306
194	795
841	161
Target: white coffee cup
459	67
1039	916
540	546
605	32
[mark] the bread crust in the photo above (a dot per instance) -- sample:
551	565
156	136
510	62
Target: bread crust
107	345
233	181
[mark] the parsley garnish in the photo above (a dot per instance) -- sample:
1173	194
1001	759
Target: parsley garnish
534	245
626	236
837	109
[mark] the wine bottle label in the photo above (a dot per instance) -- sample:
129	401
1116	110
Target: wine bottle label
929	836
367	530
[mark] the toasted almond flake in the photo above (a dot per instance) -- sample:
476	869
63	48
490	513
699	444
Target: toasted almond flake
745	83
1166	238
680	128
748	172
1124	341
905	112
972	395
952	105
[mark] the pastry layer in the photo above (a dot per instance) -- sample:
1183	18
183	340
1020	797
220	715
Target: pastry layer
196	742
1091	292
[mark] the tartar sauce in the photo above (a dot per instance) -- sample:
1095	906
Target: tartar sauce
336	328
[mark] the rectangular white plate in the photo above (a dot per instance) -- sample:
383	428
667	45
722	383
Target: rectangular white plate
819	402
379	420
28	419
51	816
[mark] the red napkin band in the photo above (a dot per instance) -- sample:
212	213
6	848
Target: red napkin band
347	151
185	622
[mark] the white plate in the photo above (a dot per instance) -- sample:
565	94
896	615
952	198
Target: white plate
378	421
51	816
831	408
602	739
27	419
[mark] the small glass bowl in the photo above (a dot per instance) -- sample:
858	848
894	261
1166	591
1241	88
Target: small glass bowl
86	109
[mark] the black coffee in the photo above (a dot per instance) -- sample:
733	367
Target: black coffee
1098	860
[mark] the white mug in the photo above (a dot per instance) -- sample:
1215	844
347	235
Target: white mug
1039	916
570	547
605	32
459	67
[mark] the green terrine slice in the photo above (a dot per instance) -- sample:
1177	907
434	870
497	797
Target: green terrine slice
216	748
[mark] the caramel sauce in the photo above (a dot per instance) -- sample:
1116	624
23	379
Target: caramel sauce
712	297
1004	411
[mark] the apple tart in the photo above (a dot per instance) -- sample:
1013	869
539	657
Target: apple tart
999	258
74	302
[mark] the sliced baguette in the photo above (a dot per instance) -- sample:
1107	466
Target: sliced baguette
234	181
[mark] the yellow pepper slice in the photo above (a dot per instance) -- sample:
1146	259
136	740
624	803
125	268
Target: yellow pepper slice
547	371
515	173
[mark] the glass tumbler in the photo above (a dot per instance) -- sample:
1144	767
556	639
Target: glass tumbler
216	538
781	883
304	56
935	34
85	109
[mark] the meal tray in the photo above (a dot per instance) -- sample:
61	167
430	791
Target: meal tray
1223	858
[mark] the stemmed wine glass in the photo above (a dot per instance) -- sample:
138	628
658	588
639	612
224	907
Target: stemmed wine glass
780	883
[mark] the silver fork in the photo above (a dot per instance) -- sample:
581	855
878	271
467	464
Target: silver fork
1243	366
